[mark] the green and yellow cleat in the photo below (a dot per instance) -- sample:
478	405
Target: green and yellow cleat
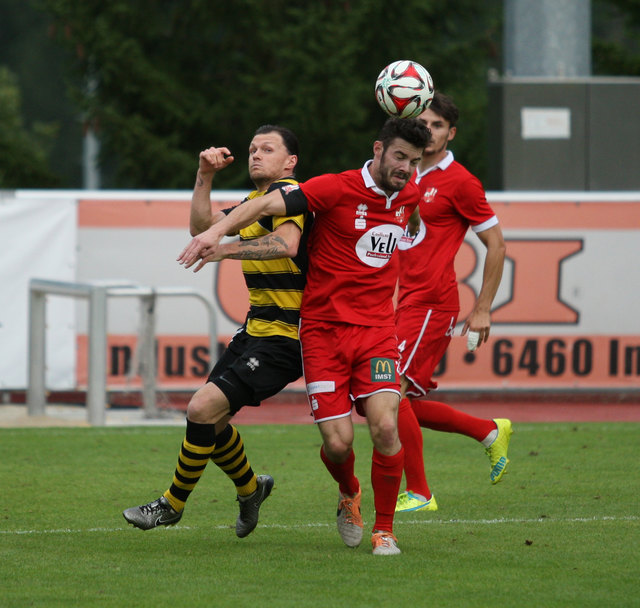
497	451
408	501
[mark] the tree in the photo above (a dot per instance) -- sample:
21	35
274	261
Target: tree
616	37
23	152
162	80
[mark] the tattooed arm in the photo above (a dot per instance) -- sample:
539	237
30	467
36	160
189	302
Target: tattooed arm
283	242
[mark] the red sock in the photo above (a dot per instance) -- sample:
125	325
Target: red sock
410	435
343	473
442	417
386	475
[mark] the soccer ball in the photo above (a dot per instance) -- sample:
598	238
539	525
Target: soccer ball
404	89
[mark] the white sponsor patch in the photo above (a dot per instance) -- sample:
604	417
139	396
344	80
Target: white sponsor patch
375	247
322	386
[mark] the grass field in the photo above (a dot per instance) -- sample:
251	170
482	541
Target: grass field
562	529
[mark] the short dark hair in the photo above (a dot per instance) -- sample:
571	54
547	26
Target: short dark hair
410	129
288	137
444	107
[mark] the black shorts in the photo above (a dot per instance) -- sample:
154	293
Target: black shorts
252	369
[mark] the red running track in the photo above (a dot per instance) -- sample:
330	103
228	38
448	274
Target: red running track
292	408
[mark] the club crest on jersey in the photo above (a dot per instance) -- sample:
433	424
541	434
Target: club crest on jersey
289	188
400	214
361	215
429	195
382	370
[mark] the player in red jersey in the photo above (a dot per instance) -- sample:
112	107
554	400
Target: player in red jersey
347	326
428	303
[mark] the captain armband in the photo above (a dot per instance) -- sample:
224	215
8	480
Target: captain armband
295	201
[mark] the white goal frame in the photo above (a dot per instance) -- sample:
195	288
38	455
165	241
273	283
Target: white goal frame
97	294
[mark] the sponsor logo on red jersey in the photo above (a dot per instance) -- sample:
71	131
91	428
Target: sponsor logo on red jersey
361	215
376	246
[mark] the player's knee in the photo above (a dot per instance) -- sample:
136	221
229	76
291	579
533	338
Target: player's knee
205	410
336	449
197	411
385	435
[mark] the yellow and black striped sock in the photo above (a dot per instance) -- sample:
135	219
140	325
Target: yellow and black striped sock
196	449
230	456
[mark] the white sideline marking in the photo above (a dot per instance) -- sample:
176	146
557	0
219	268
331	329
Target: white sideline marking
413	522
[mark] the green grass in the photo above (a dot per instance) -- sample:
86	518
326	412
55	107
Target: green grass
560	530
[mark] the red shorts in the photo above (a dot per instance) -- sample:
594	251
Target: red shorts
344	363
423	337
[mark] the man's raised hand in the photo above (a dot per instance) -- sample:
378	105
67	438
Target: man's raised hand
213	159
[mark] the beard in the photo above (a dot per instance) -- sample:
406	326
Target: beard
387	183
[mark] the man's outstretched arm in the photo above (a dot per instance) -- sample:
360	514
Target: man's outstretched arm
206	244
283	242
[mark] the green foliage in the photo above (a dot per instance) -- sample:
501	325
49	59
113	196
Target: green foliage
23	152
161	80
164	80
616	37
559	531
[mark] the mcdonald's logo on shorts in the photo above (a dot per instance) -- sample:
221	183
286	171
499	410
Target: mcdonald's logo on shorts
383	370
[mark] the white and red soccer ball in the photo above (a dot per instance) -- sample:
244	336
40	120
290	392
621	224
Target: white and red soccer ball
404	89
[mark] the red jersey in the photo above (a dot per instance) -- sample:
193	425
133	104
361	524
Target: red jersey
453	200
357	227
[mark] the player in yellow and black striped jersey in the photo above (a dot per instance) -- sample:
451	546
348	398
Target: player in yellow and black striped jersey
275	285
264	354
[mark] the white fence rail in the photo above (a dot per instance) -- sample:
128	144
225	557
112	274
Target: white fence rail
97	294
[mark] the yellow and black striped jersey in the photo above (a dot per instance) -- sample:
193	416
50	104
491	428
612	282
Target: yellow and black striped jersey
275	286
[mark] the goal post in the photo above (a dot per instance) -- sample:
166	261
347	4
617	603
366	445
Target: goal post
97	294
